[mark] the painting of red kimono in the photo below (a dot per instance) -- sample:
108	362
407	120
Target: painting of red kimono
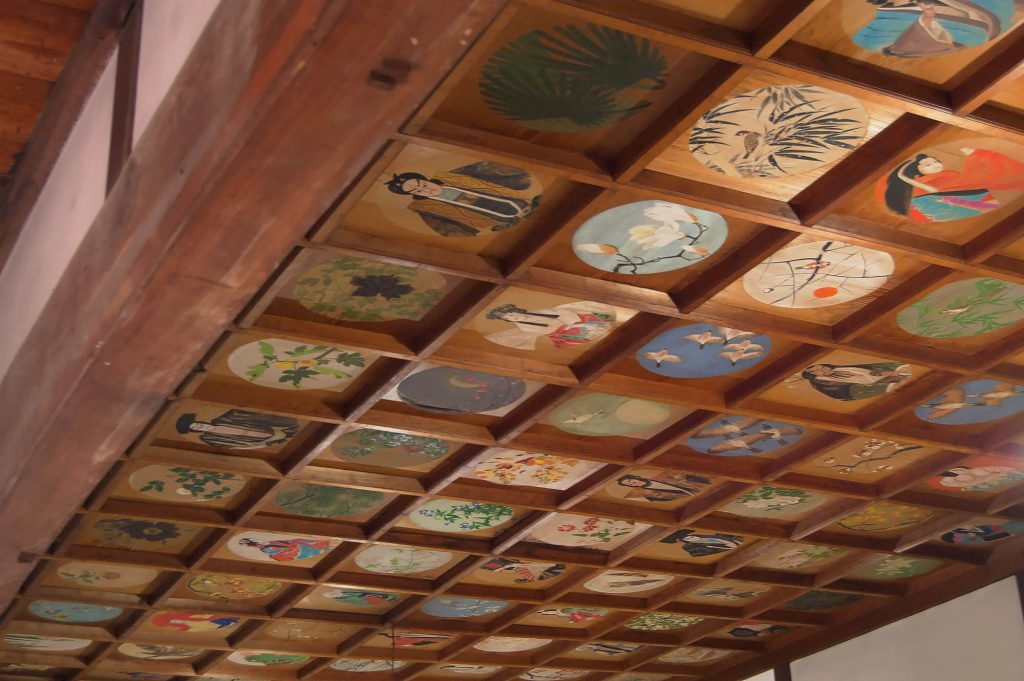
941	184
283	549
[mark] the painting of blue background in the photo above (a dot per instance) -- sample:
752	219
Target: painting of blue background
703	444
968	415
697	362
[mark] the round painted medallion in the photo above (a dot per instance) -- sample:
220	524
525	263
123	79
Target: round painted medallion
367	665
133	533
980	474
557	79
858	379
394	560
444	390
287	365
30	642
698	544
407	639
449	606
103	576
648	237
742	591
775	502
656	621
799	556
280	548
192	621
567	529
703	351
447	515
953	181
510	644
572	615
301	631
361	290
744	436
325	501
607	649
778	131
969	307
978	401
650	485
177	483
236	429
898	567
621	582
818	274
885	515
600	414
988	530
231	588
469	669
511	571
821	600
360	598
541	674
914	30
387	449
74	613
529	321
265	659
688	655
515	467
757	629
151	651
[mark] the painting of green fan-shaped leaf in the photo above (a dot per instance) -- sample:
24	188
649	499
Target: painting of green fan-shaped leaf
572	78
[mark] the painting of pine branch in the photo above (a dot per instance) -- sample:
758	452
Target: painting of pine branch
778	131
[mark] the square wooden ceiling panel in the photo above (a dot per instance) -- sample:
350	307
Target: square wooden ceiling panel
666	339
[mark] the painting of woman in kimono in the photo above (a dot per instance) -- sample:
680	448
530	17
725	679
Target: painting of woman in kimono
238	429
664	486
699	545
856	381
566	326
925	190
468	200
287	550
925	28
186	621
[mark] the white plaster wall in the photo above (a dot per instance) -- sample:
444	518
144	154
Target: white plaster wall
67	206
977	637
169	30
763	676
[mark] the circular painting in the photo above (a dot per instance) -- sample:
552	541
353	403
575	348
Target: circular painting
237	429
510	644
30	642
508	571
885	515
560	79
324	501
360	598
515	467
914	29
387	449
693	655
601	414
701	544
133	533
177	483
991	529
406	639
757	629
394	560
526	319
566	529
287	365
151	651
821	600
848	382
778	131
469	669
446	515
301	631
360	290
265	659
742	591
799	556
367	665
897	567
444	390
980	474
743	436
192	621
620	582
74	613
657	486
231	588
978	401
607	649
573	615
449	606
540	674
281	548
775	502
103	576
648	237
818	274
954	181
656	621
703	351
969	307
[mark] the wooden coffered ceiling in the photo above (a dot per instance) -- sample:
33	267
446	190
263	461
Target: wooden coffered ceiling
490	419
